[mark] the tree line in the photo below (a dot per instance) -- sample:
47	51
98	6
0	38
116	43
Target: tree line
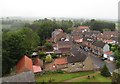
44	27
100	25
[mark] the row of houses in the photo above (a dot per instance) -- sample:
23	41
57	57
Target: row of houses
106	36
96	42
76	61
93	41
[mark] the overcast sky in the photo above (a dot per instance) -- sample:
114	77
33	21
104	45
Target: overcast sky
101	9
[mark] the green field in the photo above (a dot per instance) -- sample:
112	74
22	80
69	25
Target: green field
97	78
57	77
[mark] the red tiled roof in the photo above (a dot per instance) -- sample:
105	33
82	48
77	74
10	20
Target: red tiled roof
61	61
24	64
36	69
109	41
109	52
83	27
38	62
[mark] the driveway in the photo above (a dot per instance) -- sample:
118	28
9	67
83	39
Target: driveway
97	61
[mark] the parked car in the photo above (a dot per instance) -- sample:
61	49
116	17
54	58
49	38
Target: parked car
104	59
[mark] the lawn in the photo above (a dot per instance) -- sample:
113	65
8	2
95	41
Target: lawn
97	78
59	77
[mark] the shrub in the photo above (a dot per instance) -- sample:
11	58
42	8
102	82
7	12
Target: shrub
105	72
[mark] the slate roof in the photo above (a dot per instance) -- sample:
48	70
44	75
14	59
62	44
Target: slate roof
22	78
77	56
99	44
64	50
114	38
64	43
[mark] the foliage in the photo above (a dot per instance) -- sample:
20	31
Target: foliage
117	57
48	58
116	49
48	45
105	72
54	55
60	71
13	24
54	72
100	25
15	45
44	27
113	47
41	54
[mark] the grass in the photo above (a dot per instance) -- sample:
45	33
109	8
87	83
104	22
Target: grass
57	77
97	78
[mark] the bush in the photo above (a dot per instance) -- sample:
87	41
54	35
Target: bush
54	55
60	71
105	72
48	58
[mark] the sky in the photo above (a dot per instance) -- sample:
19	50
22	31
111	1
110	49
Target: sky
101	9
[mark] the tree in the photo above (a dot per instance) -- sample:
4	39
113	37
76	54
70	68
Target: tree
48	45
54	55
100	25
41	54
15	45
105	72
117	57
48	58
